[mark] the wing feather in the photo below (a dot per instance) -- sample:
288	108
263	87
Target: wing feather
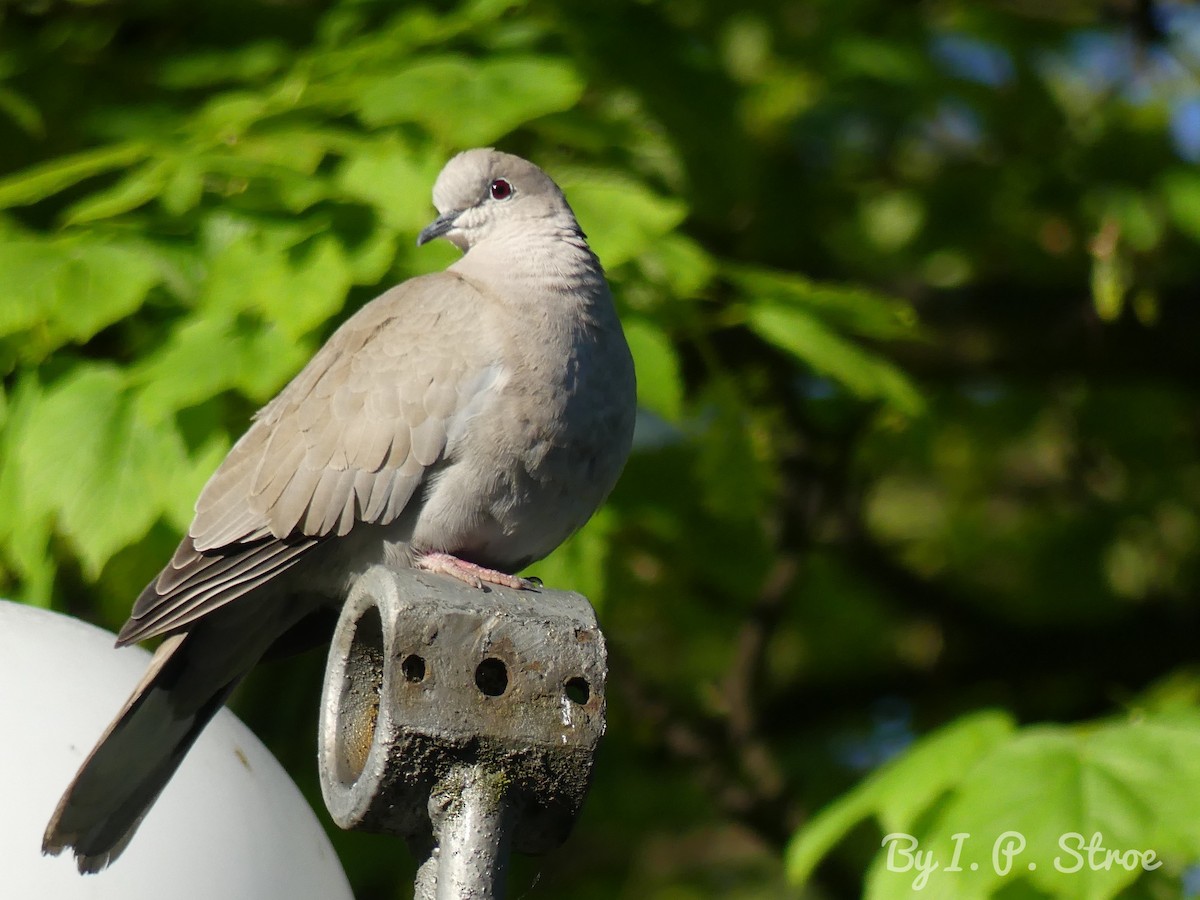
349	440
165	606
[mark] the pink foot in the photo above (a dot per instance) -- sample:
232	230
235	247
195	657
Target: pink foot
476	576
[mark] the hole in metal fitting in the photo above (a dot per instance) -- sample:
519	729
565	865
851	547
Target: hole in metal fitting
577	690
491	677
413	668
359	701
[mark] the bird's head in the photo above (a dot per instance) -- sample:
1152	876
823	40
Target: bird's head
483	194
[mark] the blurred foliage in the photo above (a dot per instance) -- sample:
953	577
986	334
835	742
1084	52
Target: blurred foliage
909	539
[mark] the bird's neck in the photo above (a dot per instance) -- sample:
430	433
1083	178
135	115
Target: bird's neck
554	258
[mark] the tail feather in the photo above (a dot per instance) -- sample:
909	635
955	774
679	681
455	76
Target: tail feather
136	757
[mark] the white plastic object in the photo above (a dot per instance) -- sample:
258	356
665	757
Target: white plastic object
231	824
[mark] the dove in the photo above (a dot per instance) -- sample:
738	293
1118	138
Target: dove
465	422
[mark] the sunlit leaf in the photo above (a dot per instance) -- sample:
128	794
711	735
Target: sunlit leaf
25	527
91	460
1049	791
660	385
207	355
183	188
467	103
294	288
370	260
394	180
851	308
72	287
900	792
579	564
250	63
298	150
140	186
679	262
49	178
184	482
828	353
621	217
227	116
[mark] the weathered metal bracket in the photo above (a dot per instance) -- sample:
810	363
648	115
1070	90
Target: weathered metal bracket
465	721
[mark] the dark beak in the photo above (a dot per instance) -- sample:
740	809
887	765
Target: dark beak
438	227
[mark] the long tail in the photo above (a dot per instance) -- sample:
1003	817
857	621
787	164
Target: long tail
189	678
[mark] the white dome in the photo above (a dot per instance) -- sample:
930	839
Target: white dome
231	824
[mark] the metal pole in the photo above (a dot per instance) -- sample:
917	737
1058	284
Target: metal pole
472	821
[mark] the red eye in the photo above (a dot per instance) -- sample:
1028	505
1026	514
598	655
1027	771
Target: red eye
501	189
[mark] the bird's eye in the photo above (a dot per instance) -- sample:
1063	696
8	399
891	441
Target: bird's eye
501	189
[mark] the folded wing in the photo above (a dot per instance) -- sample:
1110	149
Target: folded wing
348	441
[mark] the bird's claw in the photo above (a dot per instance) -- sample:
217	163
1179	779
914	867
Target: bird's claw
477	576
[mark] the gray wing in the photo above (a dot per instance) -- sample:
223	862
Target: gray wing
349	440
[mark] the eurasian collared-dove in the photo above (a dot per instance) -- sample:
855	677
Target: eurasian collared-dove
464	422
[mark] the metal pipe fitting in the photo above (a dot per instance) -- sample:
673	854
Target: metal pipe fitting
465	721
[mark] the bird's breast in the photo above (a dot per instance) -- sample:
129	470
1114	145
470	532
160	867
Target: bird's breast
540	449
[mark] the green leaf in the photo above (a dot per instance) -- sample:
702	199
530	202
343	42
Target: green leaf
100	467
679	263
902	790
732	462
1134	782
226	117
27	116
849	308
1181	190
395	180
208	354
184	188
1140	220
259	381
370	260
891	220
184	484
140	186
1110	283
97	284
295	288
579	564
622	218
24	529
467	103
660	384
313	288
42	181
828	353
884	60
202	358
72	287
298	150
251	63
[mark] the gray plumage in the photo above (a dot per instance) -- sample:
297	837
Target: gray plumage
465	422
